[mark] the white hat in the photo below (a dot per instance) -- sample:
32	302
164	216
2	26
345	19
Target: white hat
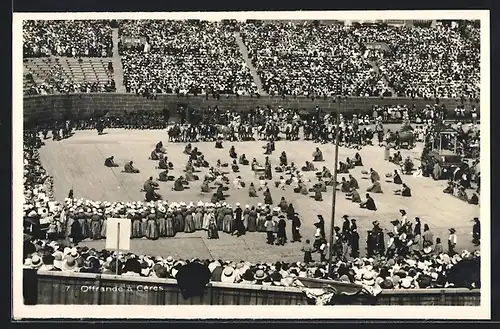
228	275
406	282
237	204
247	206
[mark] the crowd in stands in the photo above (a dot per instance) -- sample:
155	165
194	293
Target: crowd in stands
69	38
298	60
427	62
65	86
203	58
184	57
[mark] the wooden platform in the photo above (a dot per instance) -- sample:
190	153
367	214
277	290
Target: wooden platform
78	162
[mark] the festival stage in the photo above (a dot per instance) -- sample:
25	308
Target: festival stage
78	162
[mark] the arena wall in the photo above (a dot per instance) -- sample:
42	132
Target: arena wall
56	107
95	289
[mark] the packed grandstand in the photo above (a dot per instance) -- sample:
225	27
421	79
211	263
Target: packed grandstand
196	57
252	59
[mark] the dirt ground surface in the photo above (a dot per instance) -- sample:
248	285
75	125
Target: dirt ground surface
78	162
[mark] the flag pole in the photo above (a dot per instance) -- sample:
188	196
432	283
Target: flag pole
117	246
334	195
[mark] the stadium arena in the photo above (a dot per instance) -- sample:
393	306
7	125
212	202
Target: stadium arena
404	99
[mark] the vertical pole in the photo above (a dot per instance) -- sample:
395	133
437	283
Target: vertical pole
334	197
117	246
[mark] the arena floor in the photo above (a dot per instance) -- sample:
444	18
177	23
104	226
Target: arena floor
78	162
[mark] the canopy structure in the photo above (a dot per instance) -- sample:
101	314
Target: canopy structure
445	140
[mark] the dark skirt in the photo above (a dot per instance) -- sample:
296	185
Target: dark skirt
227	224
198	221
85	228
252	224
152	231
95	230
104	225
189	224
144	227
162	227
261	224
213	233
169	227
136	229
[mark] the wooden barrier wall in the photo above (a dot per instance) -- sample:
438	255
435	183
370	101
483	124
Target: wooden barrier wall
94	289
50	107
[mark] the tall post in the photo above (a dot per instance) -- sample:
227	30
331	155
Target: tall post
117	246
334	196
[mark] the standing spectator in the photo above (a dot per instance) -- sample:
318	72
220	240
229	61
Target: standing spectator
295	228
281	230
452	242
307	249
428	237
270	229
354	241
476	232
438	249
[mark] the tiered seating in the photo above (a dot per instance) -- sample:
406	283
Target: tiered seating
67	70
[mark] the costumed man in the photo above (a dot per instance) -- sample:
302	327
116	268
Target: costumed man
408	166
154	155
252	192
109	162
205	188
232	153
164	177
353	183
179	184
163	164
100	126
357	160
283	159
159	147
326	173
369	203
149	187
243	160
374	176
318	155
375	188
129	168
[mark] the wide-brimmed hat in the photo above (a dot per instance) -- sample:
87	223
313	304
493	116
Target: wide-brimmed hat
69	264
369	278
452	230
427	250
228	274
36	261
406	282
260	275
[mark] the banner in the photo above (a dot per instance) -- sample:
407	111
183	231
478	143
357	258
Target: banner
378	46
129	41
118	233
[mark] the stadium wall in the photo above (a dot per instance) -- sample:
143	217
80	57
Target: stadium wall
59	106
95	289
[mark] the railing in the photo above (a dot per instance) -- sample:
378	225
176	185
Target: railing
96	289
59	106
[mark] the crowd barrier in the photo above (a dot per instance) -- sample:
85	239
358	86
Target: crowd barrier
49	288
59	106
